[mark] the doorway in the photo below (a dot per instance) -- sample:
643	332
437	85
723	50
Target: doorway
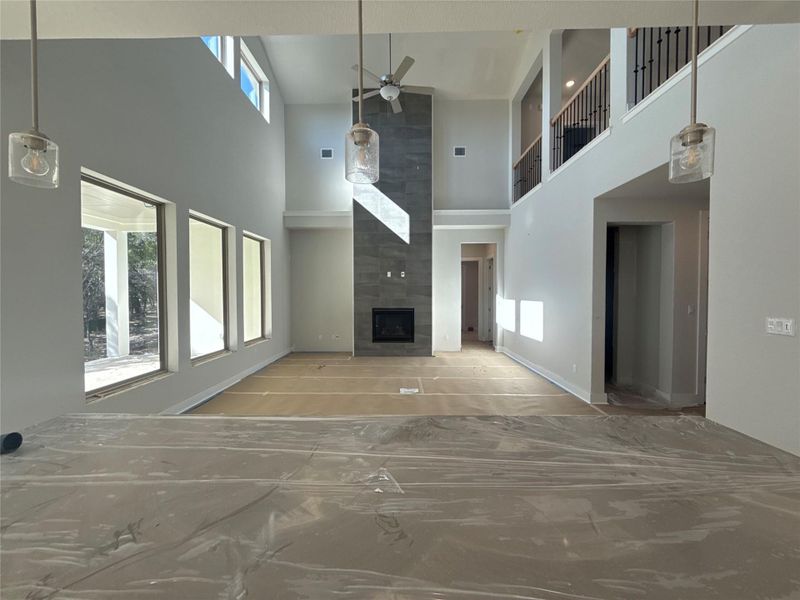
469	299
477	292
639	301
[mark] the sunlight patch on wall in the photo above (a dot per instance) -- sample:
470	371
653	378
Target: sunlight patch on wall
506	313
384	209
531	319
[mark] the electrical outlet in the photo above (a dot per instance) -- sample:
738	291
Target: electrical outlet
388	273
780	326
574	368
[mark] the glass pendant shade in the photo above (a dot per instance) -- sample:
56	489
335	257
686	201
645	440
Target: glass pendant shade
361	154
691	156
33	159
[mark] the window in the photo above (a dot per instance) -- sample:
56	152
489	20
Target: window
221	46
214	43
256	288
207	287
123	289
254	82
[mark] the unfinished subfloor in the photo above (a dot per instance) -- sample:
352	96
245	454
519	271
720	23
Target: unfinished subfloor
475	381
122	507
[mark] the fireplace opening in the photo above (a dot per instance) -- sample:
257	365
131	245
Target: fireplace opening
393	325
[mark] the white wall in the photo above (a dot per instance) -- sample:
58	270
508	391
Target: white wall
550	244
447	280
322	290
160	115
478	180
313	183
754	260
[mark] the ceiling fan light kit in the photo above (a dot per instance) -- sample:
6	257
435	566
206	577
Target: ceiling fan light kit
32	156
362	144
389	84
691	156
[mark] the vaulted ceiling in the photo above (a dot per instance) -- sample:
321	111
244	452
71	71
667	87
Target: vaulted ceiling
471	65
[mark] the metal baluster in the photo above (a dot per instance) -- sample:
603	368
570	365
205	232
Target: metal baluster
650	61
677	47
666	75
636	67
658	44
644	58
686	45
605	99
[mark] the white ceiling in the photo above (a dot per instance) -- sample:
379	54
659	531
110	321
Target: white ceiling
179	18
318	69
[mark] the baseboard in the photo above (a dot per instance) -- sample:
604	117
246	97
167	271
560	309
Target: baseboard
198	399
549	375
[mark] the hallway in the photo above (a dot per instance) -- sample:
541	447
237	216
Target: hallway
476	381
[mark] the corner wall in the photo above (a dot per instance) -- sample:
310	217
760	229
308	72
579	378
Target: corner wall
161	115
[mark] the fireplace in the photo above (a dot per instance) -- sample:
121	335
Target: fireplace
393	325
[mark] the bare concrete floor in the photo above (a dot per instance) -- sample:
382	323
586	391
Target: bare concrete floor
476	381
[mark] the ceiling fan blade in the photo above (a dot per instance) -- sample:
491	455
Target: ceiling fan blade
367	95
417	89
402	69
396	106
368	73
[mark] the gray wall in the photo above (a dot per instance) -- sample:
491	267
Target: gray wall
405	178
322	290
161	115
313	183
479	180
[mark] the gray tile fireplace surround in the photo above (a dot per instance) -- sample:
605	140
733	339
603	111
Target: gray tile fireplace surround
405	177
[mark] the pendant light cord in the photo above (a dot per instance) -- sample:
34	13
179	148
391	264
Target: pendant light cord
390	53
34	69
360	64
694	62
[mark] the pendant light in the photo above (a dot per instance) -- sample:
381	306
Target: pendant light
691	156
32	156
361	142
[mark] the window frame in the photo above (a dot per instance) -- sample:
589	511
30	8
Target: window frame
249	62
226	315
263	296
161	279
227	51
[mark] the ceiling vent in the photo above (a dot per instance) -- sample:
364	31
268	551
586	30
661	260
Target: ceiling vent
459	151
326	153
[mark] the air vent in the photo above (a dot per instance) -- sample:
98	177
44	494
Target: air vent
460	151
326	153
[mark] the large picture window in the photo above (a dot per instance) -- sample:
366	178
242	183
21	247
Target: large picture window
255	286
207	287
122	256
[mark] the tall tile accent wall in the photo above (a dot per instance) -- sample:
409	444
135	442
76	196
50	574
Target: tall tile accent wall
405	178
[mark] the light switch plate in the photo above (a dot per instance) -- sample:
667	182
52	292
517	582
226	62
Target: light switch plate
780	326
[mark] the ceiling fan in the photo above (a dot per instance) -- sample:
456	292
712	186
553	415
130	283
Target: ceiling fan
390	86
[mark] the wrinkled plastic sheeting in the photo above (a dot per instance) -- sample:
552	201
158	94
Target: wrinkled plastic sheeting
381	481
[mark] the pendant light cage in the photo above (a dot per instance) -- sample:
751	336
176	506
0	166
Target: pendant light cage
362	144
32	156
691	152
